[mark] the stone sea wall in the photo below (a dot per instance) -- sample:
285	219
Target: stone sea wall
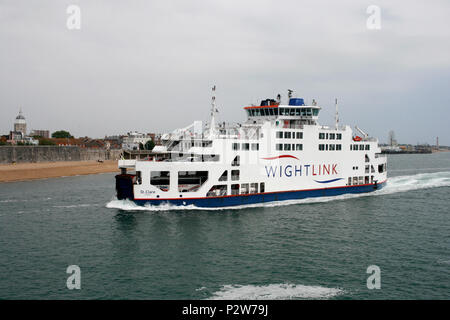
23	154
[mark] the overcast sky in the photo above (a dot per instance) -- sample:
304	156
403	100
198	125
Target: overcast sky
150	65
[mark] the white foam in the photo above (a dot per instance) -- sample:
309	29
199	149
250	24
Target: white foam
76	205
394	185
282	291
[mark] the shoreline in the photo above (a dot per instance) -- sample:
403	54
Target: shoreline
46	170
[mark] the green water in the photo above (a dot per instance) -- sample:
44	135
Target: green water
311	249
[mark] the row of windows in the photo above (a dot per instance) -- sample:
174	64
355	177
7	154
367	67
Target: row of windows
247	188
203	144
289	147
234	175
243	188
283	112
331	136
355	147
360	180
245	146
330	147
289	135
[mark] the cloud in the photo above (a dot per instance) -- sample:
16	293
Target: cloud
149	66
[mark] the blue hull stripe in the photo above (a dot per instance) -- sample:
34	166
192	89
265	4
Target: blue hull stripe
328	181
261	197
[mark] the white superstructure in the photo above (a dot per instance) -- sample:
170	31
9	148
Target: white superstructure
280	152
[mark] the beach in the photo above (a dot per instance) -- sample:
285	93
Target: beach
42	170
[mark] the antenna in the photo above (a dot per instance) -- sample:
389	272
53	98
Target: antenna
212	128
337	114
290	93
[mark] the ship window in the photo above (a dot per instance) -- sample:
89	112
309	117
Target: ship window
138	177
234	175
299	135
338	147
308	112
235	146
349	183
279	147
275	111
287	147
321	147
315	112
191	181
244	188
160	179
236	162
321	135
279	134
299	146
326	147
271	111
355	147
367	146
355	180
380	168
361	147
224	176
217	191
292	113
297	112
361	180
332	135
253	187
332	147
338	136
235	189
246	146
327	135
249	113
253	112
282	111
287	134
255	146
261	187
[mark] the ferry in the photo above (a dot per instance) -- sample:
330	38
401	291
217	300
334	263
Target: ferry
279	153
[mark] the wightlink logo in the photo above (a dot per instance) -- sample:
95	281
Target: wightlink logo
299	170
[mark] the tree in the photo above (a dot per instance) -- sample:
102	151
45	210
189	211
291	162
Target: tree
149	145
141	146
46	142
61	134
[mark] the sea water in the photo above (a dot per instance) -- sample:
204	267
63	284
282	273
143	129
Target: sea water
317	248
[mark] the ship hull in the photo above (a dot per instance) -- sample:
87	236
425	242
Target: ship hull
238	200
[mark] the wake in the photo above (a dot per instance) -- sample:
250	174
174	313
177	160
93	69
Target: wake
394	185
282	291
